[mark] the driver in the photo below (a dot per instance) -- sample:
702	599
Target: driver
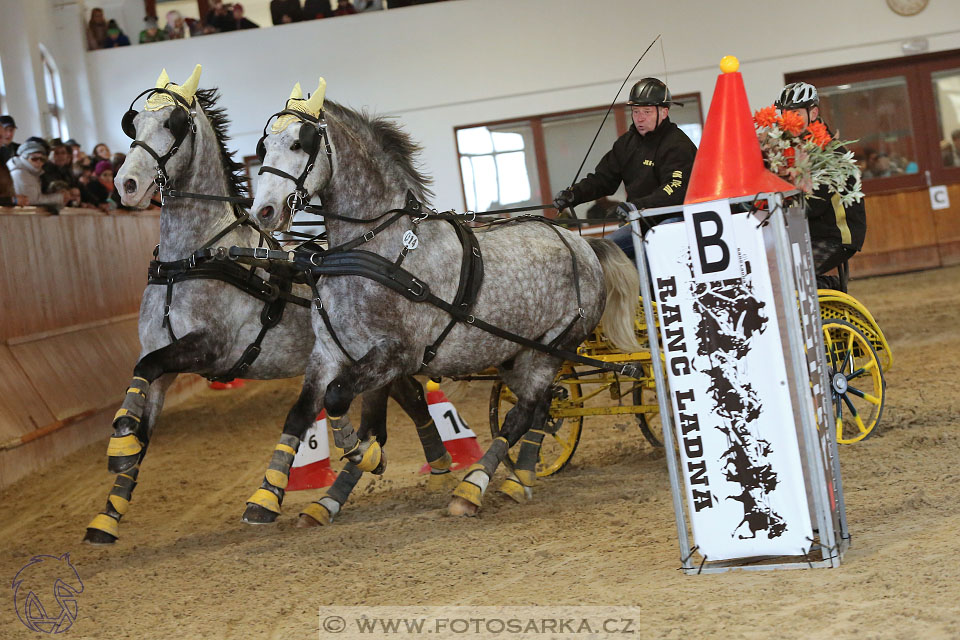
653	160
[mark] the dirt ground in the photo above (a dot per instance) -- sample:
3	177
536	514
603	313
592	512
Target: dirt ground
601	532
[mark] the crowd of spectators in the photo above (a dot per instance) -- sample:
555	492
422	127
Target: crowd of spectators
55	173
228	16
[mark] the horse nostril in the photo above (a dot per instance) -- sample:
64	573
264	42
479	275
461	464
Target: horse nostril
266	212
130	185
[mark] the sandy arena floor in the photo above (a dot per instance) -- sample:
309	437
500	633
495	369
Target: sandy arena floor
600	533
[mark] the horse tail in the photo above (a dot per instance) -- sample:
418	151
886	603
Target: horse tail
623	294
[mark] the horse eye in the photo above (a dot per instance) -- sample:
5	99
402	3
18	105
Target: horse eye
296	146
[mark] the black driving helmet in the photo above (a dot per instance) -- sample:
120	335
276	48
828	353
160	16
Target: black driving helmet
651	92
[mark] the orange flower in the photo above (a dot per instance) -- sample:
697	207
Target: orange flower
791	122
765	117
790	154
817	132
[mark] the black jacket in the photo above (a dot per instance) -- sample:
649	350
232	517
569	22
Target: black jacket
829	220
654	168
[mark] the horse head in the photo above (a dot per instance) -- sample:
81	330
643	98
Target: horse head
166	124
296	159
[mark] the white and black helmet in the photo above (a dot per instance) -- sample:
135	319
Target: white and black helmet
798	95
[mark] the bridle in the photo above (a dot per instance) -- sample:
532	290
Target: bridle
312	129
181	122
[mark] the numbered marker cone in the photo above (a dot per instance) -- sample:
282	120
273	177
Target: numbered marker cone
459	440
236	383
729	161
311	468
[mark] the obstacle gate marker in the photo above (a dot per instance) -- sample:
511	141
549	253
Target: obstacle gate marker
742	377
311	466
458	439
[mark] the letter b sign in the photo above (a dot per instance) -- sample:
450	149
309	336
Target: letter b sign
713	246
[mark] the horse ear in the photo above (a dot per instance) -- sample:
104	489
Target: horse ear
315	103
189	88
163	80
297	93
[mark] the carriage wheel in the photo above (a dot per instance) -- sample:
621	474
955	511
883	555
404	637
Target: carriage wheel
856	381
650	424
563	434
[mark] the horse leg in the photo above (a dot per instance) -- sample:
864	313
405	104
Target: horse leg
409	395
518	485
263	506
128	440
104	528
379	366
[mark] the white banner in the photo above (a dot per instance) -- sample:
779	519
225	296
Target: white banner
449	423
734	419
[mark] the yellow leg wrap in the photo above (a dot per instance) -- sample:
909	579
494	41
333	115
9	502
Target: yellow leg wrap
285	449
120	504
443	463
514	490
371	457
441	482
318	512
121	412
106	524
277	478
469	492
527	477
127	445
476	466
265	499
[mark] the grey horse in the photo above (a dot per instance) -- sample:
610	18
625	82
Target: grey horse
211	322
372	334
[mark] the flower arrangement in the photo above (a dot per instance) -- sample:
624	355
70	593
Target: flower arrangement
808	158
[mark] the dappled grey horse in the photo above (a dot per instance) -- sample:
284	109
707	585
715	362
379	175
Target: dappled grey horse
542	282
209	323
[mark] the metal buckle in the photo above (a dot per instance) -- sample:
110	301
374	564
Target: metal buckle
470	216
421	218
469	319
580	311
315	255
261	256
419	293
368	236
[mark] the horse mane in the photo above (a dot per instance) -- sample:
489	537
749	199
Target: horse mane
396	143
236	175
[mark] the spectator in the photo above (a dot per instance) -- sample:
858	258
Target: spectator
218	16
96	30
239	22
368	5
8	129
151	33
287	11
344	8
101	189
316	9
59	169
42	142
950	149
100	152
26	170
84	176
8	195
115	37
176	28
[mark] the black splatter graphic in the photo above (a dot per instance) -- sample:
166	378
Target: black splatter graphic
730	317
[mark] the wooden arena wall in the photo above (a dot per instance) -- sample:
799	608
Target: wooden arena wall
70	289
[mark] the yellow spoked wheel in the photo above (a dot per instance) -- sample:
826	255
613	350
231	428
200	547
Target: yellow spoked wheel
856	381
563	434
649	421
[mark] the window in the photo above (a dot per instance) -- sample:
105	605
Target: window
525	161
902	113
3	92
54	93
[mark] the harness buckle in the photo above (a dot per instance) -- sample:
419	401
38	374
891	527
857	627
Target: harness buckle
581	313
420	286
470	216
469	319
312	259
421	218
368	236
261	253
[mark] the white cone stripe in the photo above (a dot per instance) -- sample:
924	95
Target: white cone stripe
449	423
314	446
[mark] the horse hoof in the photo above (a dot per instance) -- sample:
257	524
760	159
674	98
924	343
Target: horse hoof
372	460
255	514
516	491
315	515
98	538
460	507
121	464
441	482
382	466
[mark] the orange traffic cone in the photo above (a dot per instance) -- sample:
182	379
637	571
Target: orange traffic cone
236	383
729	161
457	436
311	467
